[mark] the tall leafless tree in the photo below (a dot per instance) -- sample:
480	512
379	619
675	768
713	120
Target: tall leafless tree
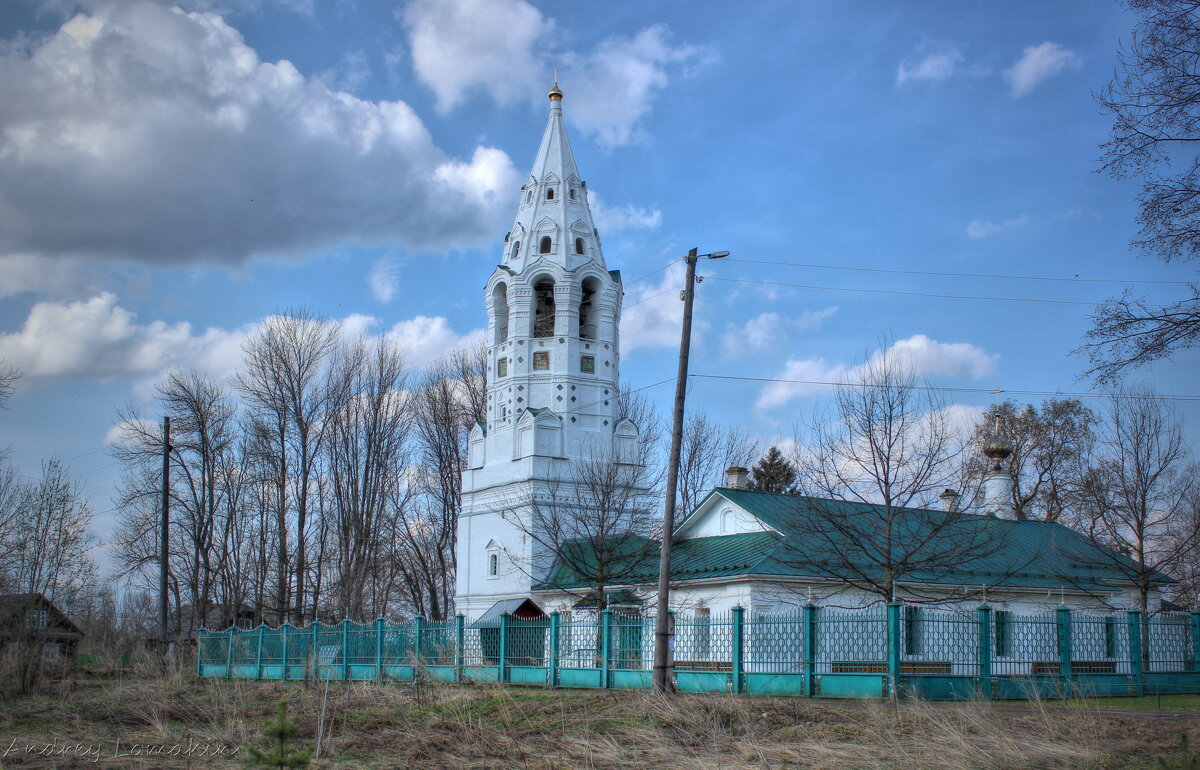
1140	490
283	381
707	449
9	375
1154	99
889	445
1050	445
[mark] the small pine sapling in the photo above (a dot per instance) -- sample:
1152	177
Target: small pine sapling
282	729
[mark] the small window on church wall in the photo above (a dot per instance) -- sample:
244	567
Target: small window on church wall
543	309
726	521
493	564
502	367
546	245
541	361
578	245
529	197
550	193
516	249
587	364
572	193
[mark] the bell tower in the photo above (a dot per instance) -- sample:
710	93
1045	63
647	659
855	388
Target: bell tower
553	311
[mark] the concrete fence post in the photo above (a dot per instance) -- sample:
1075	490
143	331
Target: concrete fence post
460	638
346	649
418	633
379	647
283	630
258	670
809	632
555	631
605	648
893	648
1195	616
1063	626
985	652
739	649
502	674
314	648
1134	622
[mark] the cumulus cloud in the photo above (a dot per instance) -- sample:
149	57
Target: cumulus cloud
986	228
768	330
505	49
617	218
929	66
462	46
1039	63
923	355
99	338
651	315
139	131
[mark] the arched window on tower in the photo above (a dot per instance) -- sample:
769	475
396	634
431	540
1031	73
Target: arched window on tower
546	245
578	245
572	193
500	312
543	308
587	323
549	193
516	249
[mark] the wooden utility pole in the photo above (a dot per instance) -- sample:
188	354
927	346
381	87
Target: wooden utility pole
164	547
663	680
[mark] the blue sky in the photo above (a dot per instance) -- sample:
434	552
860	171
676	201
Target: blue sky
171	174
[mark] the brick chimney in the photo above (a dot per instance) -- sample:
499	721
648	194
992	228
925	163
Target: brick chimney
737	477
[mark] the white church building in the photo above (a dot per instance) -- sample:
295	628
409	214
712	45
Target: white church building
554	311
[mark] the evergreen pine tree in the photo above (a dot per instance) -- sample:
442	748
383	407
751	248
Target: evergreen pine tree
281	729
773	473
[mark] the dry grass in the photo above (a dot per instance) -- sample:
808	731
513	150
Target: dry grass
366	725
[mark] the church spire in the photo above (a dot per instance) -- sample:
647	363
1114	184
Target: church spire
553	204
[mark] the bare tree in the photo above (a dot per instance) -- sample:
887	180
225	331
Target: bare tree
1050	445
283	382
593	524
889	446
9	375
367	450
1140	491
1154	99
706	451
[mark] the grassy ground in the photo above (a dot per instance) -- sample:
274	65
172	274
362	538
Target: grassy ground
182	722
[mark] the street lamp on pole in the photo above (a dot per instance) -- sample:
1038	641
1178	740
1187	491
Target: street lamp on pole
662	630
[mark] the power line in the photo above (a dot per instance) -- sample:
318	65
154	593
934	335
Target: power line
905	293
1076	279
915	386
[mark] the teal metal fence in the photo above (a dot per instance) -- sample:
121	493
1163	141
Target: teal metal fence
877	652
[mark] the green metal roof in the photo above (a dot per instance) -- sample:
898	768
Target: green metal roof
994	552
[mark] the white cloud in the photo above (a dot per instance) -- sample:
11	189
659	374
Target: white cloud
97	337
505	49
613	87
651	316
460	46
1037	64
923	355
627	217
767	330
985	228
142	132
384	279
932	66
424	339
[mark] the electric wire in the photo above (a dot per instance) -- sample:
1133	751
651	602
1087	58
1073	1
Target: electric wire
904	293
1076	279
